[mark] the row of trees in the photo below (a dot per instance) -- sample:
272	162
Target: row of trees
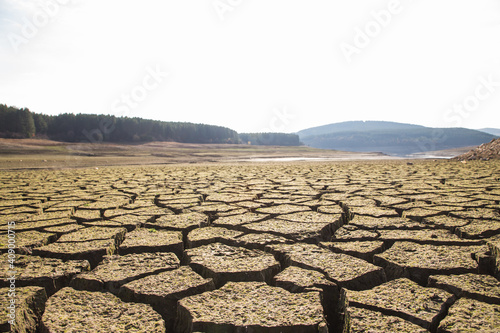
275	139
16	123
22	123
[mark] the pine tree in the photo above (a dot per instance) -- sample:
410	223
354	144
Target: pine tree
25	123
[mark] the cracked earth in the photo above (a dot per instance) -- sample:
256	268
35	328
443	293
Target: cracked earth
298	247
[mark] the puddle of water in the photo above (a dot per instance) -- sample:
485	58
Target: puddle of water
430	156
295	159
285	159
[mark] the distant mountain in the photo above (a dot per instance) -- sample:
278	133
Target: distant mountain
390	137
493	131
356	126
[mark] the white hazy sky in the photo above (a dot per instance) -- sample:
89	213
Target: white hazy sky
256	65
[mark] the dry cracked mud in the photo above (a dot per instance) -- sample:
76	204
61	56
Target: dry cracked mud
302	247
251	307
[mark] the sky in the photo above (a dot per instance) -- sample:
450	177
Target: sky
256	65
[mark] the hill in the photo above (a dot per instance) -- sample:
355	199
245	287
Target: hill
350	126
486	151
389	137
95	128
22	123
493	131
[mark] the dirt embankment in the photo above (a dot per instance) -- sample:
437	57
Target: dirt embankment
486	151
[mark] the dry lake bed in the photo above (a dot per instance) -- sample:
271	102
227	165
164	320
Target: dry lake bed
367	246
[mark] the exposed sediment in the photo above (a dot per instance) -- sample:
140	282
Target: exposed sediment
305	247
251	306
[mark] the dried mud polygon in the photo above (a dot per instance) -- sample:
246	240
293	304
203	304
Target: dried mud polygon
85	311
251	306
25	313
151	240
418	261
162	291
469	315
116	270
405	299
361	320
50	273
225	263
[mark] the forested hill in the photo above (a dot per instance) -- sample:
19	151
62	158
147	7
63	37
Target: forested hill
357	126
390	137
21	123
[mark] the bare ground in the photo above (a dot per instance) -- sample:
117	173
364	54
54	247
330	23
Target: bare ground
364	246
38	153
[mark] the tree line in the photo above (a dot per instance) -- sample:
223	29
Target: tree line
275	139
22	123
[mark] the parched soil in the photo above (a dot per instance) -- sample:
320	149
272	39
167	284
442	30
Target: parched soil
43	154
373	246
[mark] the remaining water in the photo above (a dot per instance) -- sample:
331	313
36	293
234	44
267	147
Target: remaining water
319	159
343	158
